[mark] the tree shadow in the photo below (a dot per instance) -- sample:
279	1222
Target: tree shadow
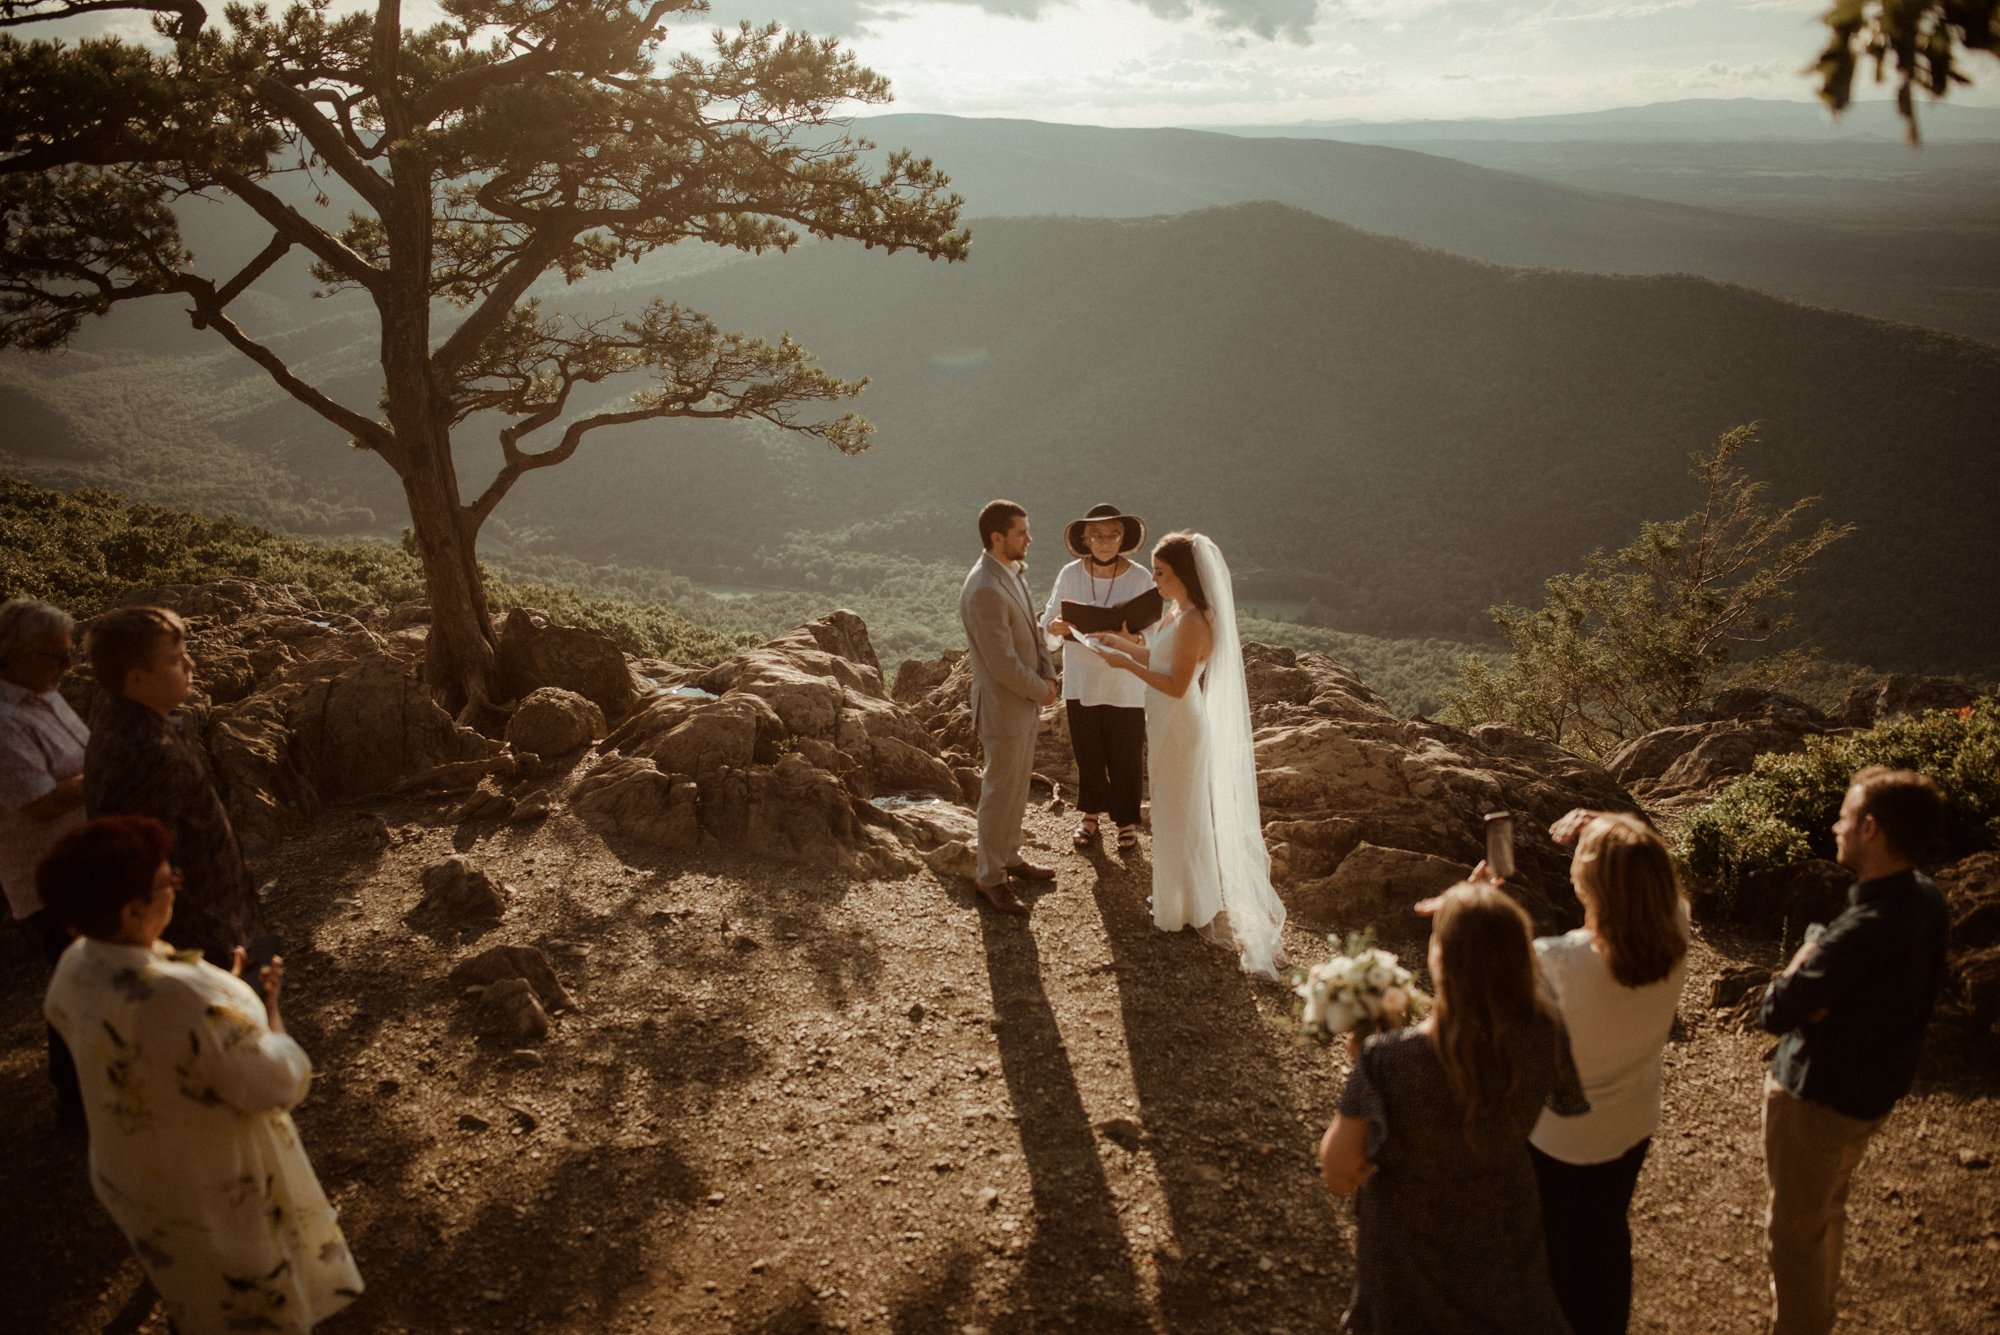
1077	1262
1220	1121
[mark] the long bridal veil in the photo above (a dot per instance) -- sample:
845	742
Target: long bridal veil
1256	915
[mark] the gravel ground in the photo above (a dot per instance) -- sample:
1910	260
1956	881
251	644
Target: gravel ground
790	1102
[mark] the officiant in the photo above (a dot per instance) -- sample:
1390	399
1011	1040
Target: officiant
1103	589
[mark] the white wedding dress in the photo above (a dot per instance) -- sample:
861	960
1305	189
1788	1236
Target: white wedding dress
1211	870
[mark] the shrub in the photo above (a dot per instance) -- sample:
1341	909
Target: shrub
1782	812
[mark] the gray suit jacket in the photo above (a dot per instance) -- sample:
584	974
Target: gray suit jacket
1011	668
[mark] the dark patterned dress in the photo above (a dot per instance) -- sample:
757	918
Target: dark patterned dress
1450	1239
139	764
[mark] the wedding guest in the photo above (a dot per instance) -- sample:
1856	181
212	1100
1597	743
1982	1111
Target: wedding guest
1851	1006
1432	1137
1616	981
41	787
188	1079
139	764
1105	708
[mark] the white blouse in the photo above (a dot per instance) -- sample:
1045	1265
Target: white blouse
192	1150
1616	1034
1088	679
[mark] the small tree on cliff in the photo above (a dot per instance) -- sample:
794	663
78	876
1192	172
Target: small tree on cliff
1639	636
518	139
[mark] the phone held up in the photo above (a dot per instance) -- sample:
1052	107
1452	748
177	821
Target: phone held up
1500	844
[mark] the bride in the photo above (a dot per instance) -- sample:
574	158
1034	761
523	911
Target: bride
1211	870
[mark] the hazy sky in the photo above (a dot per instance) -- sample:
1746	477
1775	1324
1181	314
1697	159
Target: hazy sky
1177	62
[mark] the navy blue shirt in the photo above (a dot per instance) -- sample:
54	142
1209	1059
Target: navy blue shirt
1876	974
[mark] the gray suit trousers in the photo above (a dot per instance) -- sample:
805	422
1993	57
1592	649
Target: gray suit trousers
1003	790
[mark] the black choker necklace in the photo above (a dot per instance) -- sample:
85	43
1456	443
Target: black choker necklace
1096	564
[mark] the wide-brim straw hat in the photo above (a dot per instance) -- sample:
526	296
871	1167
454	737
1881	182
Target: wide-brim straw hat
1135	529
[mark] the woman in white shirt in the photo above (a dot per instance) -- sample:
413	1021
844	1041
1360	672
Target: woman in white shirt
1105	708
1616	980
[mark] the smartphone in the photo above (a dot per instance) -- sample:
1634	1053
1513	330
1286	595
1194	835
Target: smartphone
256	957
1500	844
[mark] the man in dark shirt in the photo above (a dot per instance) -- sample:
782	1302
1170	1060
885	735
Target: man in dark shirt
138	764
1851	1007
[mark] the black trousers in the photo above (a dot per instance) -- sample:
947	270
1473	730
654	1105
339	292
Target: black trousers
1110	746
42	928
1584	1219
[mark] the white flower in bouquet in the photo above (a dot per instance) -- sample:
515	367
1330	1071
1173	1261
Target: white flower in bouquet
1360	990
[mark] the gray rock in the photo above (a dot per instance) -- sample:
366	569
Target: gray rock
536	652
525	962
630	797
510	1014
1901	695
457	890
551	721
370	723
1374	885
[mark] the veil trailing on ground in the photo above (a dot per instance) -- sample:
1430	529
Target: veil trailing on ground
1256	915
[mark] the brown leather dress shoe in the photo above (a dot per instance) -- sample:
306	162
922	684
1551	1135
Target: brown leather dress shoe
1001	897
1031	871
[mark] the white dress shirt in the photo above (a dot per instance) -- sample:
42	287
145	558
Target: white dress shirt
41	744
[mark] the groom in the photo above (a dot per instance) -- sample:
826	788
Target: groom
1012	678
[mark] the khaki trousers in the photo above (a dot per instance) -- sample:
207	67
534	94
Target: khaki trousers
1810	1154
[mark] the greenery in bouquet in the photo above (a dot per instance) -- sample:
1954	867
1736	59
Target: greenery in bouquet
1361	989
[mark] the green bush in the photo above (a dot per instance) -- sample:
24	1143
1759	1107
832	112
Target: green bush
1783	811
84	550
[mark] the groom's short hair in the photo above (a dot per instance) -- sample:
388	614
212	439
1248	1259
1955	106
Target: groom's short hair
997	517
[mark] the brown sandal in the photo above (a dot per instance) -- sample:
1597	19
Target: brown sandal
1128	837
1086	834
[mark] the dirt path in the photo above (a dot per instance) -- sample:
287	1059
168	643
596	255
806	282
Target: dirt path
791	1103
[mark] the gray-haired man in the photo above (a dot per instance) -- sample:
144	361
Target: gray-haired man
41	785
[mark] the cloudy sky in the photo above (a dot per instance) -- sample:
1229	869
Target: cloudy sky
1181	62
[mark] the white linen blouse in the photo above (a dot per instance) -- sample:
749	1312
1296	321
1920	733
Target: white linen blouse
192	1149
1086	678
1616	1034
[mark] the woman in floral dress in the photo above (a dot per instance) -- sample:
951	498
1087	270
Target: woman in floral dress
187	1077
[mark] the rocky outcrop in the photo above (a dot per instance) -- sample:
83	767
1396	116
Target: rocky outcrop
938	692
1680	767
1900	695
780	751
1366	812
536	652
1972	888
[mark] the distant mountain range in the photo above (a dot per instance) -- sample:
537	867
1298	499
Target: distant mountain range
1709	120
1028	167
1399	435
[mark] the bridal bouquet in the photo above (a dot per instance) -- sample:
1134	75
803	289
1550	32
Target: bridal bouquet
1361	990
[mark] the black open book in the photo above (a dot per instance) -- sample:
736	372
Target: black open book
1134	615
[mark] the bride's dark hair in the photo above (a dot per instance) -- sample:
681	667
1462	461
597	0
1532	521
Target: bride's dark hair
1177	550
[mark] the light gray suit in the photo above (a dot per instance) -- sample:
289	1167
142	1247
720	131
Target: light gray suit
1011	676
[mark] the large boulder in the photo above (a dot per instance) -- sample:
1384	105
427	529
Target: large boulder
554	722
780	751
630	797
1900	695
1677	768
1972	888
249	749
535	652
370	724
